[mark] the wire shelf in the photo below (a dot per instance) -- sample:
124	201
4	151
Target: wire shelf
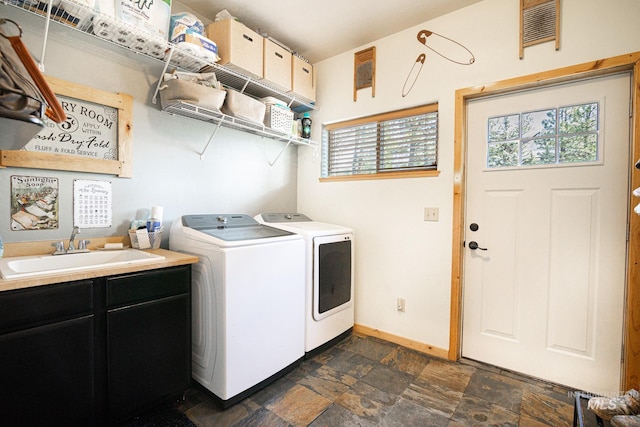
193	111
79	17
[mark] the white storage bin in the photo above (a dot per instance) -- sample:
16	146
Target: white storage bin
278	118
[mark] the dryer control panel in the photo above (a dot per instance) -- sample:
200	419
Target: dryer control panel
285	217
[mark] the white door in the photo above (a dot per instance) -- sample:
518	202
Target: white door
546	296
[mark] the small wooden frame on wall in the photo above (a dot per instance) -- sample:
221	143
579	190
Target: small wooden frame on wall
539	23
95	138
364	71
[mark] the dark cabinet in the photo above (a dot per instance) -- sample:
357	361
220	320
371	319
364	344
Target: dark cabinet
96	351
148	339
47	356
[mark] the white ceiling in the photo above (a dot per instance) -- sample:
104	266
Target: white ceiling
323	28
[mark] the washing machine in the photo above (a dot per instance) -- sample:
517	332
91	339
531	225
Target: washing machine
247	302
329	306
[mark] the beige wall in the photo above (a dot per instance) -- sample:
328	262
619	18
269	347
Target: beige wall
398	254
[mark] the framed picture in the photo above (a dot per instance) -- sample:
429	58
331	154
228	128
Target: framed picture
34	203
96	137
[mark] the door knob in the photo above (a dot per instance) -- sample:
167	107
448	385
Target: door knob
473	245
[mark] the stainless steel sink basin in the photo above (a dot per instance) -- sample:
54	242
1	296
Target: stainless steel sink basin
25	266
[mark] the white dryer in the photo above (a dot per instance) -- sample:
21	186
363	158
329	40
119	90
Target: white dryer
247	302
329	305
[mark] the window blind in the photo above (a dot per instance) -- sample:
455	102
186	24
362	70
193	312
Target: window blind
400	143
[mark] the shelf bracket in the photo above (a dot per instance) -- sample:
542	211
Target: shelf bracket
281	151
164	70
246	83
213	134
45	36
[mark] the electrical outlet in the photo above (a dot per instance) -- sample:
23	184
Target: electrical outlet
431	214
400	305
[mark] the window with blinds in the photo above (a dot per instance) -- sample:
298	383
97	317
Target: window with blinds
399	141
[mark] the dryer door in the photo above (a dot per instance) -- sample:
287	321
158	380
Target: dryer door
332	274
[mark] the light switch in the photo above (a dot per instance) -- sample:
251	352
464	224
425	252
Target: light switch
431	214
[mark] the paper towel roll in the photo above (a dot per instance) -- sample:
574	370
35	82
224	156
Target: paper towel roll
208	56
157	45
157	48
158	54
140	38
104	27
189	48
122	36
139	41
124	32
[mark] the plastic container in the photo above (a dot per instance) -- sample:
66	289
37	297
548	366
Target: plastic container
1	247
306	126
278	118
154	223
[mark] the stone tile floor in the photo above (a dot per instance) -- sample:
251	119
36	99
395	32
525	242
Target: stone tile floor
364	381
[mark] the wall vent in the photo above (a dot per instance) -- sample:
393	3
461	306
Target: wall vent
539	23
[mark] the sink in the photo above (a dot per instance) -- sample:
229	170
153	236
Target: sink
25	266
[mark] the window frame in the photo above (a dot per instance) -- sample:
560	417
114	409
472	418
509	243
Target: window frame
391	115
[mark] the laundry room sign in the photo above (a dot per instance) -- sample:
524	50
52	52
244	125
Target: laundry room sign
91	130
95	138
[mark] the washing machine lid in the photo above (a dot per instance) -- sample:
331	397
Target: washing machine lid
231	227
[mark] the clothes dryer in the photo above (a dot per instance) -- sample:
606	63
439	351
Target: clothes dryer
247	302
329	305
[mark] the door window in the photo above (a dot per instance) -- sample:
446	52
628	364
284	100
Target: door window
548	137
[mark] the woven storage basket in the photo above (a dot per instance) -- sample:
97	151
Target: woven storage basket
237	104
278	118
176	90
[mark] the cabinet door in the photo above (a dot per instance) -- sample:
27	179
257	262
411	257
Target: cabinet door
47	375
26	308
146	286
149	358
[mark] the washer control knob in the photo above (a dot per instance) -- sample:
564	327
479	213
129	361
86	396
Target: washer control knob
222	219
287	216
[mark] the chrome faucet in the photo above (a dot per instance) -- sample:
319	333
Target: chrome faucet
72	247
82	244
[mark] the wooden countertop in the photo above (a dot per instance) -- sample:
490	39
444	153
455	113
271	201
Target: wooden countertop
171	259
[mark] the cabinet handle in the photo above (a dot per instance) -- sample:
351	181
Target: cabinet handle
247	37
279	55
305	70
